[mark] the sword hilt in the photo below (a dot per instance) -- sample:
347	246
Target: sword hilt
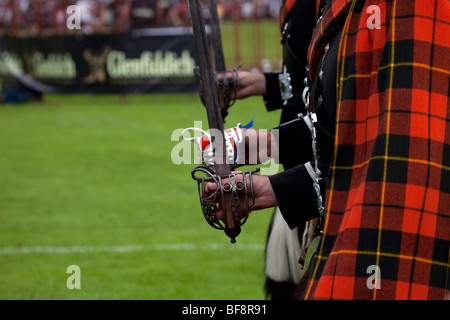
230	187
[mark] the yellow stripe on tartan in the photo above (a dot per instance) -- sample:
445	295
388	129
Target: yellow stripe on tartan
388	255
411	160
395	65
386	151
340	69
415	65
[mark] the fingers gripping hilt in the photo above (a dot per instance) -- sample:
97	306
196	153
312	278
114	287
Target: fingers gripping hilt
228	81
236	187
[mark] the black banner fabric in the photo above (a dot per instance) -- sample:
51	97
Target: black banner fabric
101	63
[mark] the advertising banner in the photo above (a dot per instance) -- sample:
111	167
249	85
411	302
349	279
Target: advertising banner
139	63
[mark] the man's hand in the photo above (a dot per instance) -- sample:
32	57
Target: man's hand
251	84
264	195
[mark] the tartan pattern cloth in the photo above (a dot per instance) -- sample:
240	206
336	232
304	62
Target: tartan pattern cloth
286	8
387	221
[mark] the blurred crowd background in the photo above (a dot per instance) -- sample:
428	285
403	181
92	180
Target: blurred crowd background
47	17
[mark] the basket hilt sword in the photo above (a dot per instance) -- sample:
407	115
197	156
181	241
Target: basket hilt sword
229	186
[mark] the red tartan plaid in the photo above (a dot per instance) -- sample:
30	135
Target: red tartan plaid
285	10
388	195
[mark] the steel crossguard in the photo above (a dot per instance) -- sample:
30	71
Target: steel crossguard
229	188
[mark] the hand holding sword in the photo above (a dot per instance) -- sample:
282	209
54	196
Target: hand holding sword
234	190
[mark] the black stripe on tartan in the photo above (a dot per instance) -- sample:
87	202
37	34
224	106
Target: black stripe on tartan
397	166
441	251
392	206
345	158
389	268
327	247
445	178
390	246
343	179
348	93
404	52
359	7
362	264
397	171
438	276
439	272
390	240
398	146
403	74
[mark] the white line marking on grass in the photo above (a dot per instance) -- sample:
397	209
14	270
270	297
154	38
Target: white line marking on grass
127	248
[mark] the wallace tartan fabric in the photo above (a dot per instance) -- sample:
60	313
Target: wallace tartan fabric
388	194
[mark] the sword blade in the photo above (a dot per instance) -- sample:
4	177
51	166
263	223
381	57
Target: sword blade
215	120
219	58
216	37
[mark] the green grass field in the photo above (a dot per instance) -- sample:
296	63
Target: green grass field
89	181
250	40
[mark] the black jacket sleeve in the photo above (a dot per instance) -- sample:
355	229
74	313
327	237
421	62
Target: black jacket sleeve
295	193
272	99
295	143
